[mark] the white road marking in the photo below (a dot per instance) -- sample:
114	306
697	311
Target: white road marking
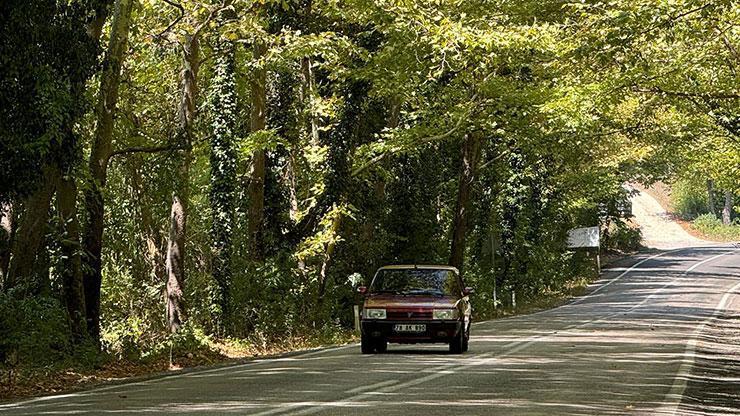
444	370
521	345
155	379
629	270
372	386
680	381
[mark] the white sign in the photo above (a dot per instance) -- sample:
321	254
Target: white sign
583	237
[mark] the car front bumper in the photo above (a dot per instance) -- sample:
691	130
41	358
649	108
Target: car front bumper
436	331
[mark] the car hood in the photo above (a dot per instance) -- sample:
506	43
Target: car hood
410	301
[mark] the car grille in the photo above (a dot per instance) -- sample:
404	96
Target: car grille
406	314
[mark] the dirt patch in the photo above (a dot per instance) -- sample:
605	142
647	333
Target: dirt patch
662	194
660	228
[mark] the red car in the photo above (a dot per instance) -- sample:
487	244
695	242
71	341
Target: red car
409	304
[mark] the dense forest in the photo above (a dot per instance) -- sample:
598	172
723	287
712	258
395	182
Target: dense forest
234	169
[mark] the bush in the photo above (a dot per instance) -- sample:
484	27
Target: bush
707	222
621	237
33	331
689	198
713	228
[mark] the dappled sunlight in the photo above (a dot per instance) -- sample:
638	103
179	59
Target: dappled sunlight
620	351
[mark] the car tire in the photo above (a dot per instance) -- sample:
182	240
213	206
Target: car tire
366	345
381	346
457	343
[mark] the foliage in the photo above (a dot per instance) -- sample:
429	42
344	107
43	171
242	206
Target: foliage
33	331
46	56
712	227
689	198
622	236
369	104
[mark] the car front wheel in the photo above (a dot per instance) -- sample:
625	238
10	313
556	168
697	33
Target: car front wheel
367	345
457	345
381	346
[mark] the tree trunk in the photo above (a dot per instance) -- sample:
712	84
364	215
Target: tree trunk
328	253
176	259
394	116
7	232
727	210
30	232
223	172
469	169
151	244
72	288
179	210
710	197
258	119
95	25
98	163
308	91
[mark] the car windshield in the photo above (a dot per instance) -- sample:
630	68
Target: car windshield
416	282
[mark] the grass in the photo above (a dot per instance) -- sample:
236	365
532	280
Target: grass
712	228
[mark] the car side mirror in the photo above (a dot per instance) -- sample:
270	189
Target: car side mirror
362	290
468	291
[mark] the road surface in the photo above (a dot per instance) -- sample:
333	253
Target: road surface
658	335
659	230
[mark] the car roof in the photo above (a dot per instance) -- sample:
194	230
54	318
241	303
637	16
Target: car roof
419	266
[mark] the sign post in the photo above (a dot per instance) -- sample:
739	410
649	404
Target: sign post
357	318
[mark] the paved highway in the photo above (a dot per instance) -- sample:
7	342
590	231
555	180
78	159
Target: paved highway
659	334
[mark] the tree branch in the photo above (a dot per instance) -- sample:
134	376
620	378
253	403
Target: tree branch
145	149
424	140
174	22
686	94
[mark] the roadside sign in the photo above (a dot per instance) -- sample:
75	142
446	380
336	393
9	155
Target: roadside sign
583	237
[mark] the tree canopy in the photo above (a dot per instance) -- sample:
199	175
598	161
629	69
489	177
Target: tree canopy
245	157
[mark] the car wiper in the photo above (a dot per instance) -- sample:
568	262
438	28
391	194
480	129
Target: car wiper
425	292
374	292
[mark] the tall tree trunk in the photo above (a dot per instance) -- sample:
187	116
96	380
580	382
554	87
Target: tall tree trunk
468	172
31	226
7	232
727	210
394	116
223	172
710	197
95	25
151	244
98	163
72	288
308	92
258	119
179	210
328	253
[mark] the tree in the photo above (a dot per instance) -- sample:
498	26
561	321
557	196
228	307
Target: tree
258	119
727	209
43	99
223	167
471	150
179	211
100	153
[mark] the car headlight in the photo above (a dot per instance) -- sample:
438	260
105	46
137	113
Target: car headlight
445	314
374	313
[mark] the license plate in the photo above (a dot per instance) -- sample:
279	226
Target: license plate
409	328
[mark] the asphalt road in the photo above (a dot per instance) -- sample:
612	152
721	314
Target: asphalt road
657	335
